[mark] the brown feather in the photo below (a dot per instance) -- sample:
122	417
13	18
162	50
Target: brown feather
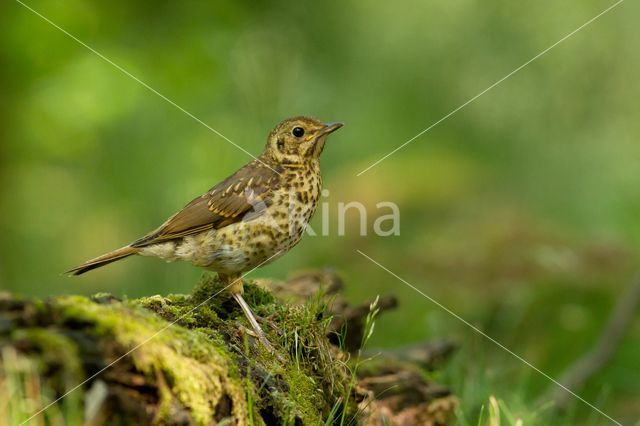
245	191
105	259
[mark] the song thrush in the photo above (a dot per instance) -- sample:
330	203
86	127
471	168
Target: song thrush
249	219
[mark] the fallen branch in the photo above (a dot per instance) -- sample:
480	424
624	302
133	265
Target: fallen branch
185	359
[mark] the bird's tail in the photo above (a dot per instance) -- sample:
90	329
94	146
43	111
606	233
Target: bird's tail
105	259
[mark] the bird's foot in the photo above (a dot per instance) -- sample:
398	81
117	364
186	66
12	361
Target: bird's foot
268	321
256	327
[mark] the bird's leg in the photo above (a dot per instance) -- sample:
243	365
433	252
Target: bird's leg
256	327
237	290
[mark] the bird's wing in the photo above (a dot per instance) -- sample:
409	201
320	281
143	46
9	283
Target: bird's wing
247	190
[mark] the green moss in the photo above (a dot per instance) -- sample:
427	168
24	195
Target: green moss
193	349
314	378
55	350
195	368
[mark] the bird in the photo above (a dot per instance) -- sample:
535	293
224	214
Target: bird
247	220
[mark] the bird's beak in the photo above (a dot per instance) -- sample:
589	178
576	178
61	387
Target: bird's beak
330	128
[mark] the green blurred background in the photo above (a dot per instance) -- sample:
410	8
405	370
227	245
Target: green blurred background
520	212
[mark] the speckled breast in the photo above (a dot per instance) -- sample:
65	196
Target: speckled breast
260	239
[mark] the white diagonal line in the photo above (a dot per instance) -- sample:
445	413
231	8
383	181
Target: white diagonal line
128	74
143	342
491	87
482	333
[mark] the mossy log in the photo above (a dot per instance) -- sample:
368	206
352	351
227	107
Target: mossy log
190	359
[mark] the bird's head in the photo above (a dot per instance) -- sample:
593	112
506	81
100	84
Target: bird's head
298	140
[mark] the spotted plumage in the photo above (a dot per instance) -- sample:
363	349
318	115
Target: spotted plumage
257	223
249	219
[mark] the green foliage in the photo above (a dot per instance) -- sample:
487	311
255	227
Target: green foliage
367	332
519	212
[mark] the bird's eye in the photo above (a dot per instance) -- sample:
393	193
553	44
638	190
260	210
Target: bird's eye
297	132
